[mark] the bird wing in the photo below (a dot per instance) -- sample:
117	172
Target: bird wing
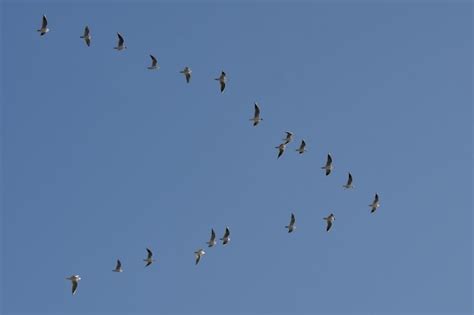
119	264
257	111
188	76
292	221
74	286
213	235
376	198
153	60
329	224
150	254
120	41
227	232
222	86
86	31
302	145
349	180
45	22
329	160
198	257
88	41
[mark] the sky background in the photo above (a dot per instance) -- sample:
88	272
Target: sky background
102	158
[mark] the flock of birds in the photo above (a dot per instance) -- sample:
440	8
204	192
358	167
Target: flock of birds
256	119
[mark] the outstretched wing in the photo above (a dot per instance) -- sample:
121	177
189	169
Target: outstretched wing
329	224
292	221
150	254
44	23
257	111
74	287
120	39
153	60
349	180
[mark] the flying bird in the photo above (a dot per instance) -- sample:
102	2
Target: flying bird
291	226
120	43
198	254
349	185
226	238
149	260
256	116
44	26
328	167
375	204
154	63
281	148
87	36
329	220
289	137
302	148
118	266
222	80
212	240
187	73
74	280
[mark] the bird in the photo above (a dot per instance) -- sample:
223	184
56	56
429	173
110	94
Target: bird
74	280
289	137
187	73
291	226
149	260
118	267
154	63
349	185
87	36
222	80
198	254
226	238
281	148
329	220
256	116
328	167
375	204
212	240
302	148
44	26
120	43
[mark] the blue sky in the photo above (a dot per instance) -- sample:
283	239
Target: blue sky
103	158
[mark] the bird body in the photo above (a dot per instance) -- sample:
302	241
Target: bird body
187	73
288	138
198	254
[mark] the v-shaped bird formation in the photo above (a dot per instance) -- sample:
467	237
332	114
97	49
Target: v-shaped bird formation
328	167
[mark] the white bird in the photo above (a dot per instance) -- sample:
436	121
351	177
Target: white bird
44	26
212	240
154	63
222	80
149	260
198	254
256	116
349	185
74	280
226	238
120	43
281	148
187	73
289	137
329	220
302	148
87	36
375	204
328	167
118	267
291	226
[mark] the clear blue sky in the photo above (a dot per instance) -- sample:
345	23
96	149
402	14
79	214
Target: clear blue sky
103	158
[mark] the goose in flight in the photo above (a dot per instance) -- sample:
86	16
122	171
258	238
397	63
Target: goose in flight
154	63
289	137
187	73
329	220
291	226
281	148
87	36
256	116
120	43
349	185
375	204
118	266
44	26
149	260
212	240
328	167
302	148
222	80
74	280
198	254
226	238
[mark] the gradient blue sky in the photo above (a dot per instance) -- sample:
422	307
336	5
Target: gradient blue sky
103	158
